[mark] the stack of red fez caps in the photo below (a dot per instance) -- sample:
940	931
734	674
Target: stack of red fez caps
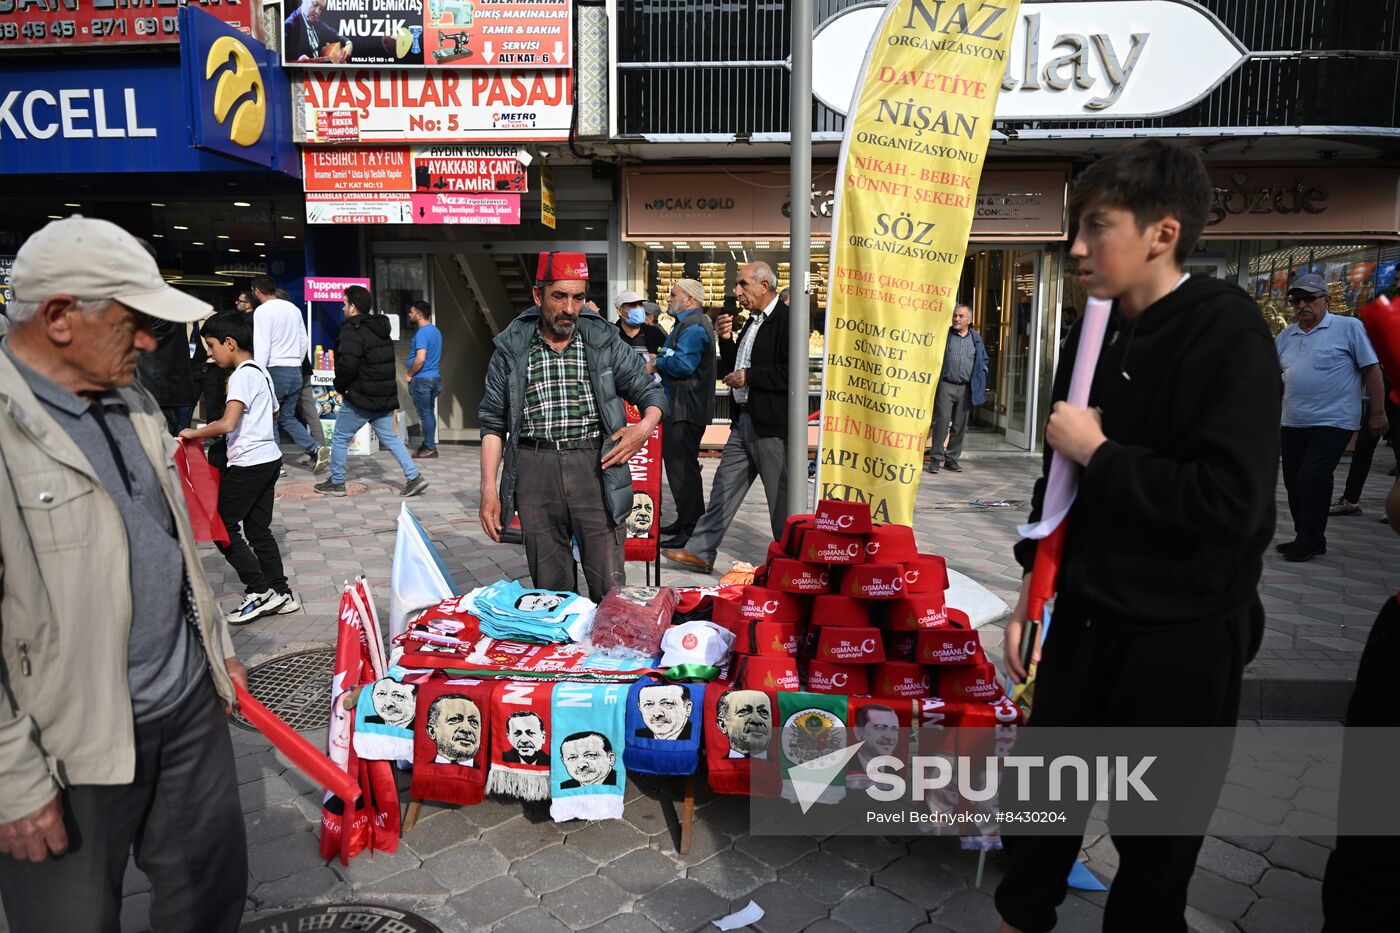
846	606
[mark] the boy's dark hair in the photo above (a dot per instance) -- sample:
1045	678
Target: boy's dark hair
1152	179
423	308
264	285
228	324
358	296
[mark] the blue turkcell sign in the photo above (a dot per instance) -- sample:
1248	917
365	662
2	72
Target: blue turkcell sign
125	116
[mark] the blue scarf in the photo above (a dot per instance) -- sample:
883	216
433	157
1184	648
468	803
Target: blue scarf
677	754
587	776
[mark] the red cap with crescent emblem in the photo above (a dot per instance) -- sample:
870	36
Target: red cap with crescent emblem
829	547
852	518
754	673
555	266
901	680
969	682
926	573
847	679
873	581
793	576
918	611
839	645
891	544
764	604
952	646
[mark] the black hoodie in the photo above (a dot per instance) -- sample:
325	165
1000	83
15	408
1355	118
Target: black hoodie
1175	510
364	364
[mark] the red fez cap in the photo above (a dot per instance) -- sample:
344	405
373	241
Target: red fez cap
764	673
762	604
950	646
918	611
891	544
555	266
873	581
900	680
839	645
791	576
832	609
969	682
927	573
829	547
836	678
851	518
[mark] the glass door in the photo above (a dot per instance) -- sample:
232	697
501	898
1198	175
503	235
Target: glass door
1021	323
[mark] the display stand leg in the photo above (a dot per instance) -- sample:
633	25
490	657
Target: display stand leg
687	815
415	809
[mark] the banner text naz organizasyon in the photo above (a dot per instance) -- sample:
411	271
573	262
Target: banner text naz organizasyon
910	165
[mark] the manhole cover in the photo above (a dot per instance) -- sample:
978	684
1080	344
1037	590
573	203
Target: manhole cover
362	918
308	490
297	687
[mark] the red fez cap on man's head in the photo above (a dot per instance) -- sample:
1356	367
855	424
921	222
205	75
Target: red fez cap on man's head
567	266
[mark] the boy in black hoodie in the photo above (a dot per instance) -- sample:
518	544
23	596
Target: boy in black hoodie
369	388
1157	611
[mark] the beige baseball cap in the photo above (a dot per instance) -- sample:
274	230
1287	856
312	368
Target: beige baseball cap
627	297
94	259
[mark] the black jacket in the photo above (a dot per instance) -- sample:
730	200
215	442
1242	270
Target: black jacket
1175	510
165	371
364	363
768	372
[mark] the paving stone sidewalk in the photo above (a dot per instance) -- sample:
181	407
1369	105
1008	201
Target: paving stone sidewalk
505	866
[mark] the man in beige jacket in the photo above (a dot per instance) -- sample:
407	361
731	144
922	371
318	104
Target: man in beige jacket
117	667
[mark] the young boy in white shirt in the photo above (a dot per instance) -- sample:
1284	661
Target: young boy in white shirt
254	463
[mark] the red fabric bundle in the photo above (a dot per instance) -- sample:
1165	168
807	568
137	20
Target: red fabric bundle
451	749
833	609
927	573
918	611
631	620
824	677
891	544
739	734
829	547
793	576
851	518
200	483
761	673
873	581
950	646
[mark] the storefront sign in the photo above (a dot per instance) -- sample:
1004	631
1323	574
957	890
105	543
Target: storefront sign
429	169
32	24
411	208
428	33
1274	201
124	116
746	203
238	99
323	288
548	215
437	107
910	166
1114	59
7	265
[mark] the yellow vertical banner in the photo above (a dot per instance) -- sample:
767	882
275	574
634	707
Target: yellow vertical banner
547	214
911	160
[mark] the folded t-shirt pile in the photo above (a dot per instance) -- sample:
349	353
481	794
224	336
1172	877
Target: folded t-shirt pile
509	611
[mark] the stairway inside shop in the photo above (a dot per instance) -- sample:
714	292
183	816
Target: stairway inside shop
515	278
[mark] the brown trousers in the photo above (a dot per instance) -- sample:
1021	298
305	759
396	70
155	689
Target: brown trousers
559	497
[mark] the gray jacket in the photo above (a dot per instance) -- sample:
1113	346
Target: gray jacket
616	372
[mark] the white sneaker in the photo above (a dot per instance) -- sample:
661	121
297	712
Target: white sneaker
289	604
255	605
323	460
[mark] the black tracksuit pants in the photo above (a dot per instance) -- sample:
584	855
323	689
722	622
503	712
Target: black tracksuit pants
245	498
1096	675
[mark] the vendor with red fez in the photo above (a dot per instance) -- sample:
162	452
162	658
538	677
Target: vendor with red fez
553	412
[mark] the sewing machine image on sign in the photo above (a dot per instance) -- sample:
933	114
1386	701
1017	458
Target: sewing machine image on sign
459	46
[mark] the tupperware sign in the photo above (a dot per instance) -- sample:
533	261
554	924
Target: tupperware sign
428	106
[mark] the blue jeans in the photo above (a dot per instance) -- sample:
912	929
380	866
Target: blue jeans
286	382
351	419
425	392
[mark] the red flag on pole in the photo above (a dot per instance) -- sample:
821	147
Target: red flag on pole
345	826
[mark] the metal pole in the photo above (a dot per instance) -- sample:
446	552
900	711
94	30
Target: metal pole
800	124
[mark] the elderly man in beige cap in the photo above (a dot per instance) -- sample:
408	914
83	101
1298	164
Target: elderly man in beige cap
118	667
686	364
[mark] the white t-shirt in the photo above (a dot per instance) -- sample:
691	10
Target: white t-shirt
254	440
279	334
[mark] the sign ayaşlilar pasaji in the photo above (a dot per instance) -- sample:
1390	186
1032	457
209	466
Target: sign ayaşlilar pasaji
909	169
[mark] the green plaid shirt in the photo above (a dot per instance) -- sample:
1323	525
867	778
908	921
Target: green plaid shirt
559	403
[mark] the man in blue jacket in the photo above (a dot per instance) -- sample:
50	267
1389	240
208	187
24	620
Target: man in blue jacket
553	425
962	386
687	368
